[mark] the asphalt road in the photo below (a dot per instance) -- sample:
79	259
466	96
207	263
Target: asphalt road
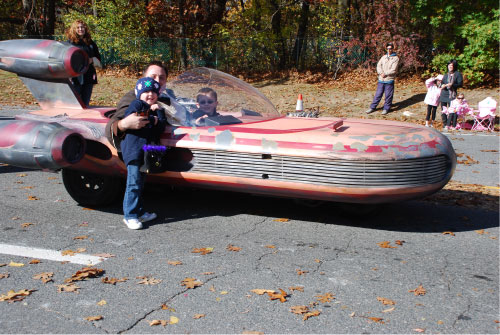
327	260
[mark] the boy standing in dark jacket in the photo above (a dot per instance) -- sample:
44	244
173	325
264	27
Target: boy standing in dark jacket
146	92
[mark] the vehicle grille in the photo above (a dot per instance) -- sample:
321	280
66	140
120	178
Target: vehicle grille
320	171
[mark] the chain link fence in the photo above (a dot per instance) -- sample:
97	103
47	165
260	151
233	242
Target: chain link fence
248	55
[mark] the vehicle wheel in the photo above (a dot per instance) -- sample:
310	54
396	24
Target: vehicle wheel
91	189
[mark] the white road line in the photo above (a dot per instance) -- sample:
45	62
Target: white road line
52	255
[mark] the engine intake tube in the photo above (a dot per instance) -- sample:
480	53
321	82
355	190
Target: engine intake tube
39	145
42	59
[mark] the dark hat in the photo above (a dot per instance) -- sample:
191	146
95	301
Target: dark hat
146	84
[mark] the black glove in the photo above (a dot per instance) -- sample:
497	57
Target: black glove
164	99
160	112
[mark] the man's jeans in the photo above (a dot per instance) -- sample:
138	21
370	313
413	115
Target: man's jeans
388	90
132	202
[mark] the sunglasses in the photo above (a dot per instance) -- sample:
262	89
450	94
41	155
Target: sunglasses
206	102
462	98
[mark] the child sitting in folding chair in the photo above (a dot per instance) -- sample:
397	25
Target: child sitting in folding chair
459	106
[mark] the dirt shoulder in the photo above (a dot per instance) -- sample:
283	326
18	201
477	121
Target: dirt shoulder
346	97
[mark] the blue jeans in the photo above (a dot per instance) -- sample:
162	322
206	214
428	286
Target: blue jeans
132	202
388	90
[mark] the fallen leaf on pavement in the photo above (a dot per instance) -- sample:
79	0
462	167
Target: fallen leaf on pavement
26	224
191	283
71	252
94	318
104	255
262	291
231	247
149	281
386	244
327	297
301	272
208	273
85	273
34	261
481	232
202	251
281	296
281	220
310	314
270	246
4	275
13	296
388	310
198	316
158	322
419	290
299	309
448	233
32	197
377	320
67	288
399	242
173	320
174	262
113	281
82	237
102	303
296	288
386	301
419	330
44	276
14	264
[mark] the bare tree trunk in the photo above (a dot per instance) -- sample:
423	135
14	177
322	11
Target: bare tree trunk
276	28
182	34
51	17
301	33
30	26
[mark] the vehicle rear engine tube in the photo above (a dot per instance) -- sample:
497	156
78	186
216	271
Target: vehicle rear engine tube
40	145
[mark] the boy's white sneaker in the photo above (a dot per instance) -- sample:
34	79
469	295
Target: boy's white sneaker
133	223
147	217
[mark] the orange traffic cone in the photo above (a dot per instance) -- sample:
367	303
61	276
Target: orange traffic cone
300	104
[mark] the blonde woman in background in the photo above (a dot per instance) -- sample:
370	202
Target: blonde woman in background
79	35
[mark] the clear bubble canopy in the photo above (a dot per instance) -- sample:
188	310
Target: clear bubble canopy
235	97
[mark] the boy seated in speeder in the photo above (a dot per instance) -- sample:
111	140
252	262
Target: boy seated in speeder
206	102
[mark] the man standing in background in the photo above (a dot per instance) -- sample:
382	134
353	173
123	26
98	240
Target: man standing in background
387	68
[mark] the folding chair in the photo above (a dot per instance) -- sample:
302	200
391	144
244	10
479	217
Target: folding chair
484	117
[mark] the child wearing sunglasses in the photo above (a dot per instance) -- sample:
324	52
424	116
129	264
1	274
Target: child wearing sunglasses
206	102
457	106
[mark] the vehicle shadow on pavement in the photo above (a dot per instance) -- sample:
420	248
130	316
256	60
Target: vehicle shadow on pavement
426	216
415	99
6	168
